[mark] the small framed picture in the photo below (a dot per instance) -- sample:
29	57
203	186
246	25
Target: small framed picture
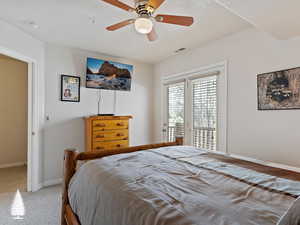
70	88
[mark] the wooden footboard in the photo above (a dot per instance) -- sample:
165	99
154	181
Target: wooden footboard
68	217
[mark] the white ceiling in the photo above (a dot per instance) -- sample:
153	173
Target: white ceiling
280	18
67	22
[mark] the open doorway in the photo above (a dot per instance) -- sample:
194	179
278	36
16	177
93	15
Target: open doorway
14	124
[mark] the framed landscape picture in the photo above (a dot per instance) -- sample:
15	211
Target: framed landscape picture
70	88
279	90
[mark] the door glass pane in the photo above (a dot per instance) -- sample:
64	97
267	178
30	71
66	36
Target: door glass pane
204	93
175	126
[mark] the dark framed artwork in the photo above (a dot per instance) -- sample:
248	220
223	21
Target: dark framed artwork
70	88
279	90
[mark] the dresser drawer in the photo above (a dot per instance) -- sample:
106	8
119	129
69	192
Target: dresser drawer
110	135
109	124
110	145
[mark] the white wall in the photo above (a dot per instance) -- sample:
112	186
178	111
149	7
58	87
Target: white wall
266	135
16	42
65	129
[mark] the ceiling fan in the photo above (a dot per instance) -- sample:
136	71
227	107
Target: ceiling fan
144	21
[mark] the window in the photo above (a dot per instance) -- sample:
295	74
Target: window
175	105
204	111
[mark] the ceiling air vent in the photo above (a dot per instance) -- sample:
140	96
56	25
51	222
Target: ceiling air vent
180	50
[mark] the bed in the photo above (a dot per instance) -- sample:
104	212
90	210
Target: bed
171	184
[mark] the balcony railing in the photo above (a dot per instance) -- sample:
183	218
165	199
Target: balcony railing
203	137
175	131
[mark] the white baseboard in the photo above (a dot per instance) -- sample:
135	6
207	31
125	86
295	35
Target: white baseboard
39	186
13	165
48	183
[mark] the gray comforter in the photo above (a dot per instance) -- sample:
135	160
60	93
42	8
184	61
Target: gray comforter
179	186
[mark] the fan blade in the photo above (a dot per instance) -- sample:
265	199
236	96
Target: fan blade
120	5
120	25
152	36
178	20
155	3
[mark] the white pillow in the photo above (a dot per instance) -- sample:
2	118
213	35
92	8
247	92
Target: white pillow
292	216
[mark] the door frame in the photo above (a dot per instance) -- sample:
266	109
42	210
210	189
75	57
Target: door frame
222	95
33	162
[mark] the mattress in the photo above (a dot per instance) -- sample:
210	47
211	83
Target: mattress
180	185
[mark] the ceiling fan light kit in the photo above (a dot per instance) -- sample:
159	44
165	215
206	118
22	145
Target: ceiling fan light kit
144	23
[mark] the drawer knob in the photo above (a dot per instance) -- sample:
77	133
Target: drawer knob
100	136
118	145
120	134
120	124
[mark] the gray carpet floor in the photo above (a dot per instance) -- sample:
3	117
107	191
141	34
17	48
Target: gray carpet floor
41	207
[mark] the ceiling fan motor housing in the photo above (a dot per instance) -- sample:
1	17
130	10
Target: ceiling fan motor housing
143	9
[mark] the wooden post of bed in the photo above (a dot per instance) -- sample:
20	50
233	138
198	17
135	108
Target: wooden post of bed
68	217
69	170
179	140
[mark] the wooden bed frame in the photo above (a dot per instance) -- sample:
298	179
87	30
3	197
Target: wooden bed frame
68	217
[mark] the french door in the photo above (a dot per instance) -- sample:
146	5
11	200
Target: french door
191	111
174	124
204	112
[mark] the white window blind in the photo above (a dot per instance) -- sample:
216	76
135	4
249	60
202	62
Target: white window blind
175	127
204	93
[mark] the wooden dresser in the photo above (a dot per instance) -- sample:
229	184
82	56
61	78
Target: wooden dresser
106	132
